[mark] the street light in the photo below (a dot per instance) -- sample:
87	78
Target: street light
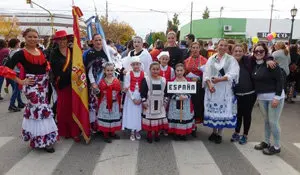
293	14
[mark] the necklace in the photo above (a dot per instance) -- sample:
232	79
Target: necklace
257	69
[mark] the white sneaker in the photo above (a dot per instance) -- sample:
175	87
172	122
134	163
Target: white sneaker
132	137
137	135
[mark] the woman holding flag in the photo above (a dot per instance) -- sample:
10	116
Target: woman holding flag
61	64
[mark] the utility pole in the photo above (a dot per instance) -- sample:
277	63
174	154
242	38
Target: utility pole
221	10
51	15
270	24
106	14
191	23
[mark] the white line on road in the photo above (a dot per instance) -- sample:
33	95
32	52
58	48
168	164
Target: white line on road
4	140
297	145
264	164
192	157
118	157
41	163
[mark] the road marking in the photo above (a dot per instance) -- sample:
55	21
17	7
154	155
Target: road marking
38	162
264	164
4	140
192	157
118	157
297	145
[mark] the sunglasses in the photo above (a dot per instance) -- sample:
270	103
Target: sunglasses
259	51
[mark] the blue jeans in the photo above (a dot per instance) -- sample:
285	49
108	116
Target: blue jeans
1	82
16	93
271	116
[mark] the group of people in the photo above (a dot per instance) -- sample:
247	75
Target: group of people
135	96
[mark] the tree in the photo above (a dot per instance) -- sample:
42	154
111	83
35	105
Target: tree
9	27
159	36
119	32
173	24
205	14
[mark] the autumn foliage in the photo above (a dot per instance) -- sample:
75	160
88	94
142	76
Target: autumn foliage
9	27
119	32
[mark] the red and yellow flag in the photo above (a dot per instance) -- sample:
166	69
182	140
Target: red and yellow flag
80	110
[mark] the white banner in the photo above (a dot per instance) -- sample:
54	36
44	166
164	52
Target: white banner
182	87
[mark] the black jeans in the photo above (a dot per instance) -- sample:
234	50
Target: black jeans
245	106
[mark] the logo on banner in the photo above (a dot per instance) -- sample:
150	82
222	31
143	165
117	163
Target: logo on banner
182	87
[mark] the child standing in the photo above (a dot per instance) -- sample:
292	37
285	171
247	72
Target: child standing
132	108
166	71
109	117
154	113
183	125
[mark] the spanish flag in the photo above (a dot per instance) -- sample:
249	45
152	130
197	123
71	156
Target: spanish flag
80	110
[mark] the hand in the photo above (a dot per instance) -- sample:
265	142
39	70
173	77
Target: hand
194	79
124	71
215	80
212	89
182	97
275	103
137	102
94	86
145	106
27	81
125	89
271	64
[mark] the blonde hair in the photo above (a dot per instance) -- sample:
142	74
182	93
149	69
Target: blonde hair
282	46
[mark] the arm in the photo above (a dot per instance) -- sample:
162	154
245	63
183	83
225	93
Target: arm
277	74
16	58
144	90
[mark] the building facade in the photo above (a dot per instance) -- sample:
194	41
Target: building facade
240	28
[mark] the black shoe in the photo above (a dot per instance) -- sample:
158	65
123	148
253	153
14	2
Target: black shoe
261	146
156	139
218	139
194	133
271	151
115	136
13	109
21	106
175	137
212	137
49	149
107	140
1	98
149	140
183	138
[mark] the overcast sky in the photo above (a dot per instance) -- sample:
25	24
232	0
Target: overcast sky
139	15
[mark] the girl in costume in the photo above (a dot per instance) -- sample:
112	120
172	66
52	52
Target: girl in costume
166	71
154	113
109	117
181	120
132	108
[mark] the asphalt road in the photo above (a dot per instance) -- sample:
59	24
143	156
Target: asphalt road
168	157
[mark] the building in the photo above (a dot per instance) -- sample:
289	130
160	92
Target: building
42	22
240	28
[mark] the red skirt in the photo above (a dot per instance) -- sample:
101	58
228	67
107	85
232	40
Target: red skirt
67	127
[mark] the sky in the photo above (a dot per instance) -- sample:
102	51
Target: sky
151	15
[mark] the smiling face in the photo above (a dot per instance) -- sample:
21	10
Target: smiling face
31	39
97	42
155	70
136	66
259	52
164	60
171	39
238	53
222	47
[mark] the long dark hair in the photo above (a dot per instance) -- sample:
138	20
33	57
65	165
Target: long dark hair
264	46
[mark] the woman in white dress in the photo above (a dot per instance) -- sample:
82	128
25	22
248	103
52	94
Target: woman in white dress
221	73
